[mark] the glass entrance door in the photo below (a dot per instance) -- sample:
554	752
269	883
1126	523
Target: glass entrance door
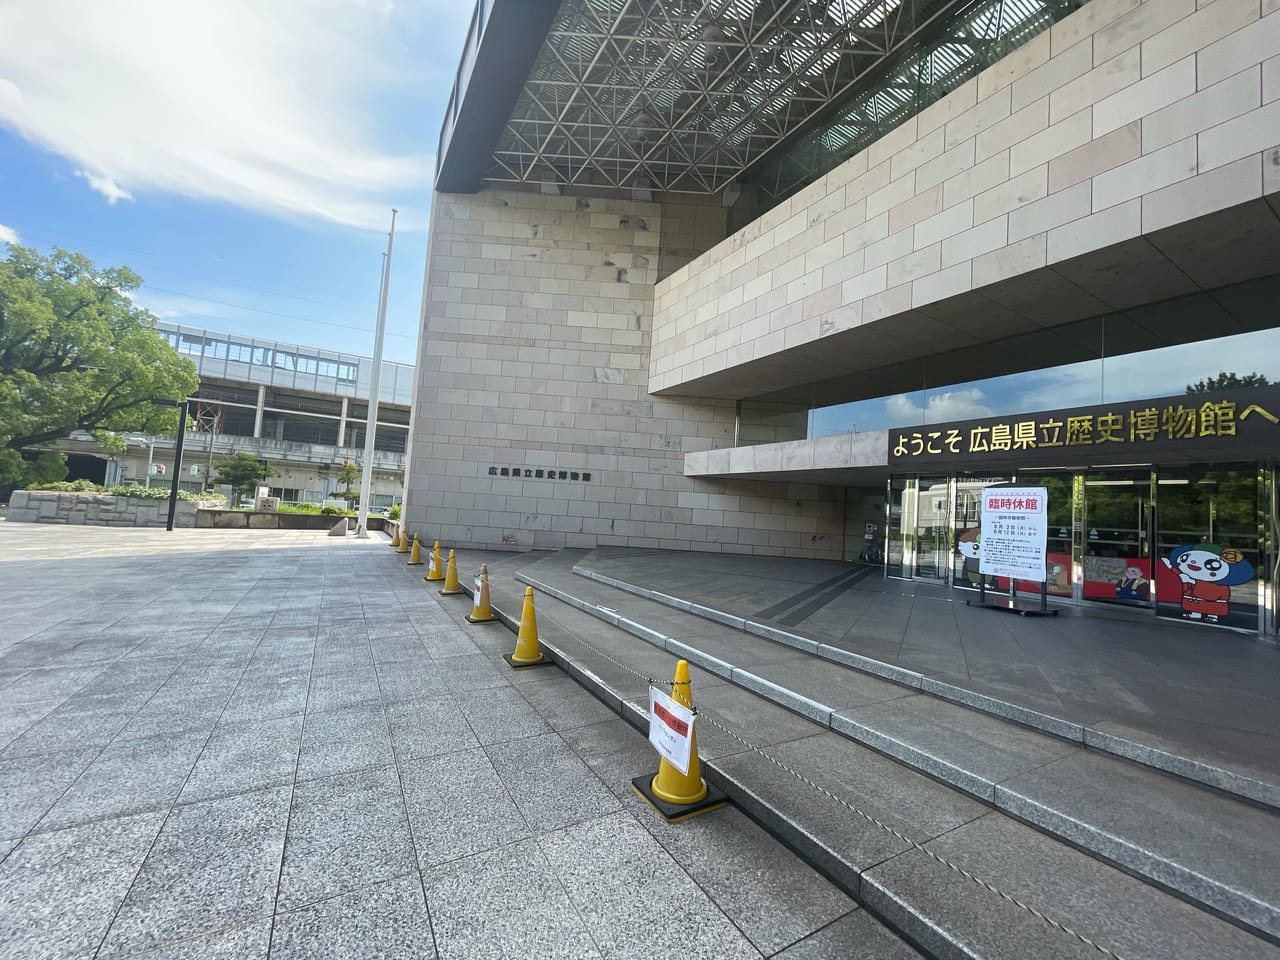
933	529
919	536
1116	530
1211	549
1060	553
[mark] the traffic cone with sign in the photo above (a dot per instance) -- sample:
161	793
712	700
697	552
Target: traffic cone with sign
528	652
676	795
415	555
434	571
404	540
481	612
451	586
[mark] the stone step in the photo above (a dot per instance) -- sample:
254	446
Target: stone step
1209	847
820	792
891	627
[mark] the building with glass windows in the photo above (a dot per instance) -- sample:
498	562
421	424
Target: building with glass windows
804	279
303	410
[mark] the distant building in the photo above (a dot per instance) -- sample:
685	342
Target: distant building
302	409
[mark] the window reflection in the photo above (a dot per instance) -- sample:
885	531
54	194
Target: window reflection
949	396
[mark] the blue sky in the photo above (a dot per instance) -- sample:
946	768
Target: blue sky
242	157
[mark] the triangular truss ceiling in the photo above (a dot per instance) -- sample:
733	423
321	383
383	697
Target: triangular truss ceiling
684	95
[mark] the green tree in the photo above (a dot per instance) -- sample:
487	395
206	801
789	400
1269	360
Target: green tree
77	354
1227	381
50	466
242	472
349	475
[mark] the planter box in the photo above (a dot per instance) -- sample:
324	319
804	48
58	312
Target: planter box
258	520
98	509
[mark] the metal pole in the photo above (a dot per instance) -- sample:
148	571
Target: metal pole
208	470
151	453
375	384
177	462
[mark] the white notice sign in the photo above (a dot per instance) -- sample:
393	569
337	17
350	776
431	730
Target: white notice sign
1015	524
670	727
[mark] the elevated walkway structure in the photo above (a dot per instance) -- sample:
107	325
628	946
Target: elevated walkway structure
961	774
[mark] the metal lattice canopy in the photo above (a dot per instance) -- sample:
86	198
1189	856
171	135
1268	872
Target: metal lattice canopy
685	95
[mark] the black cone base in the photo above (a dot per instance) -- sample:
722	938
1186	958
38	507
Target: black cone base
674	812
542	662
471	619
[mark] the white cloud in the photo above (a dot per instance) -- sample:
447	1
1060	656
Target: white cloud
8	234
287	107
105	186
949	405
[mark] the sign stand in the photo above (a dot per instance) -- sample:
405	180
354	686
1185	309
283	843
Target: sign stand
1013	545
1011	604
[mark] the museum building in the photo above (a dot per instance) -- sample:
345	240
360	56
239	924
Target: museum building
803	279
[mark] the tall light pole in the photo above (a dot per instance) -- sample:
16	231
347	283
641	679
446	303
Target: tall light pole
375	384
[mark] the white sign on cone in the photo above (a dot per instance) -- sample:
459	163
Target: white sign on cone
1015	523
477	589
670	729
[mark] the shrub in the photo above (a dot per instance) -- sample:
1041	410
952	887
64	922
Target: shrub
299	508
162	493
394	513
129	490
332	512
69	486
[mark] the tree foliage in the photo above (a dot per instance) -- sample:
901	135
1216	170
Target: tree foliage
242	472
1227	381
77	354
349	475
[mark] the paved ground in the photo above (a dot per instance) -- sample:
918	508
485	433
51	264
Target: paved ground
1200	692
247	744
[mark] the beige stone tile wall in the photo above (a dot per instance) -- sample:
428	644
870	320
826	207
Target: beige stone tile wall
538	321
1125	118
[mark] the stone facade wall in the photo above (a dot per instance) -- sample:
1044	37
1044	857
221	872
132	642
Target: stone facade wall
96	510
537	327
1125	118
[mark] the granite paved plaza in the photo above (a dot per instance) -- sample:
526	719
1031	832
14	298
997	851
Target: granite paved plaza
242	744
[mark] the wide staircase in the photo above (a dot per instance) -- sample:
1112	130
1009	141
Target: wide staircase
972	834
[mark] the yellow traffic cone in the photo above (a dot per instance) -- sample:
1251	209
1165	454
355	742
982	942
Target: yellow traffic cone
676	795
451	586
435	571
395	539
481	612
528	652
404	540
415	555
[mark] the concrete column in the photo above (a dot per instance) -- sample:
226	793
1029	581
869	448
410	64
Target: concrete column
342	424
257	416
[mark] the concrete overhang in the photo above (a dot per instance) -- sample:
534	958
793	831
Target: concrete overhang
844	459
502	44
860	459
1175	285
